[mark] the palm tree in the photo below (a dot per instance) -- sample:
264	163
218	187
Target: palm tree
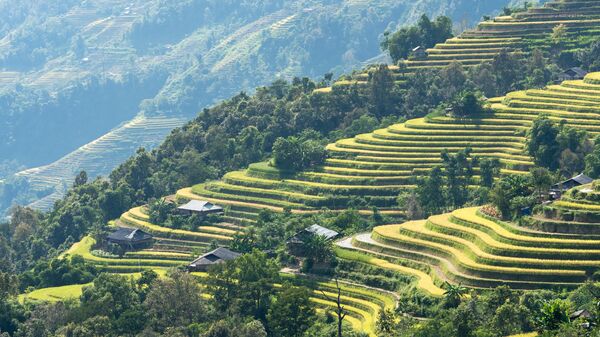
453	294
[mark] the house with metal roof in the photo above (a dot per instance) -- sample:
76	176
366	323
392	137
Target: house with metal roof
199	207
297	242
130	238
557	189
219	255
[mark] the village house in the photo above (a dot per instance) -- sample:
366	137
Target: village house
419	53
130	238
574	73
557	190
219	255
297	242
202	208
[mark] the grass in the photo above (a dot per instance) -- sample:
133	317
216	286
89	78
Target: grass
54	294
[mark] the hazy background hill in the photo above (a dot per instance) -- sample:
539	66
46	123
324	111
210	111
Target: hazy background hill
85	83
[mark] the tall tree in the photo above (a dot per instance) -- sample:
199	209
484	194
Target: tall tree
292	312
431	191
340	310
175	301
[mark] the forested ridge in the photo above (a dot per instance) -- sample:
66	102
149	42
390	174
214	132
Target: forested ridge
350	288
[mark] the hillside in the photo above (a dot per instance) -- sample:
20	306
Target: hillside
83	85
520	32
464	246
555	249
379	165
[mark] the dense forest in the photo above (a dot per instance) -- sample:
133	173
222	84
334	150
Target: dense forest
289	123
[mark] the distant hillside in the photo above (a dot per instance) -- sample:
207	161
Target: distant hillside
116	74
371	169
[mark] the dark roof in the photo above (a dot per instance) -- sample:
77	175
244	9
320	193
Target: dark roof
217	255
575	71
129	235
200	206
580	179
580	314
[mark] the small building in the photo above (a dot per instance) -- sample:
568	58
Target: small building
219	255
574	73
583	314
558	189
199	207
296	243
419	53
130	238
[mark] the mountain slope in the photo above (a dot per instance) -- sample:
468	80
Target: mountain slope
379	165
105	63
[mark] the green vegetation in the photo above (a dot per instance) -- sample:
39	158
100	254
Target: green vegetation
425	34
496	262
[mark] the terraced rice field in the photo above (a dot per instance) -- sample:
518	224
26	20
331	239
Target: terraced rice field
576	214
377	166
171	248
519	33
361	303
98	156
468	247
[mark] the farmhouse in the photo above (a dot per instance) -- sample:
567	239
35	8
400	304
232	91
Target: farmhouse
574	73
219	255
419	53
199	207
557	189
296	243
130	238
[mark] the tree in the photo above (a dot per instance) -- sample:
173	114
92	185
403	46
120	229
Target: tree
425	33
313	153
505	190
287	152
339	310
542	143
553	314
458	170
453	294
175	301
294	153
245	284
385	322
80	179
291	313
381	85
409	203
467	104
559	33
541	180
110	296
511	318
488	169
431	191
9	285
590	57
592	160
318	249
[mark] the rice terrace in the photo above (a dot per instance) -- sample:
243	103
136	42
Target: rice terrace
452	189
